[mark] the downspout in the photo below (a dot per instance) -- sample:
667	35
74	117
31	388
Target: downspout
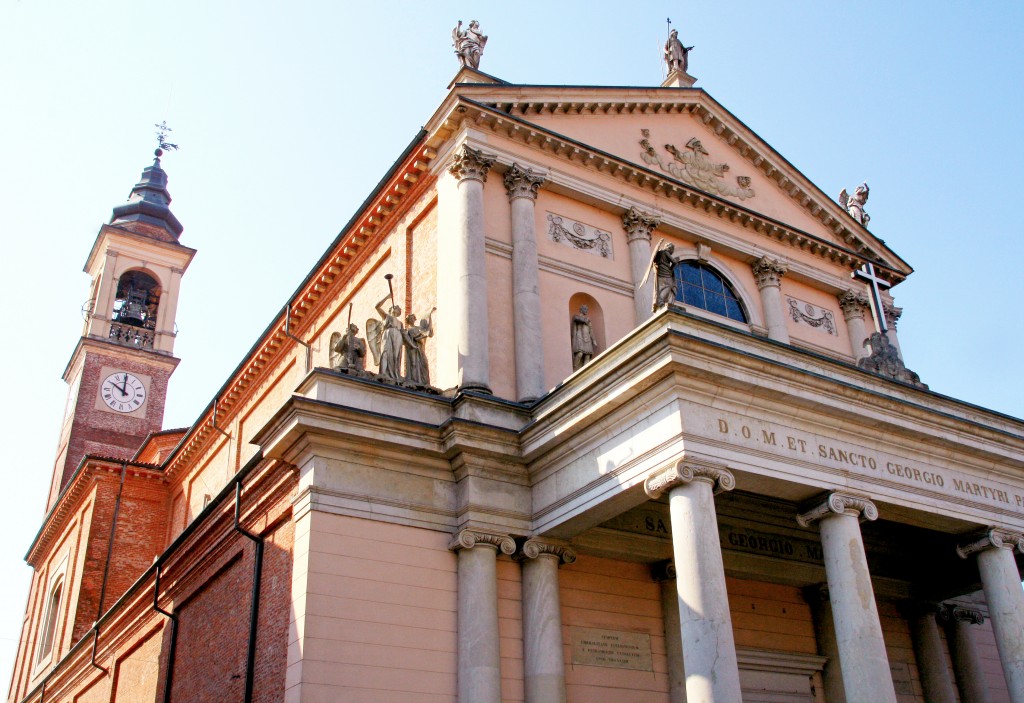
169	677
254	604
106	569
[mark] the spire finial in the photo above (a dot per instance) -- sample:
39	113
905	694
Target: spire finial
161	139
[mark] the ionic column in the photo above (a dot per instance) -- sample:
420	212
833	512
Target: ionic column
522	188
543	662
865	665
470	167
892	314
768	273
970	676
825	634
1001	583
638	228
479	669
854	306
709	650
931	659
665	574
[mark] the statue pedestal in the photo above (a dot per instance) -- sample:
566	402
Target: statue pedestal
678	79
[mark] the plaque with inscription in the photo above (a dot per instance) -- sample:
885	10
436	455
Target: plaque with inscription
616	649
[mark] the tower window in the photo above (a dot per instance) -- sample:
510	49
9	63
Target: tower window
136	300
49	622
702	287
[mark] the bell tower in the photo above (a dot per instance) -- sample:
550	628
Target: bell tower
118	372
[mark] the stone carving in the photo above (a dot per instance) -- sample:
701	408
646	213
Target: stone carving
768	272
583	345
467	539
522	183
533	548
885	361
639	225
812	315
993	538
892	314
348	352
417	374
471	164
956	613
684	471
839	504
387	341
853	304
579	235
469	44
692	165
663	264
854	204
677	56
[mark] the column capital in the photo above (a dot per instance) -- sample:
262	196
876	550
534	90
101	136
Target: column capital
892	314
471	164
957	613
467	539
816	593
664	570
993	538
853	304
768	272
534	548
686	471
639	225
839	504
522	183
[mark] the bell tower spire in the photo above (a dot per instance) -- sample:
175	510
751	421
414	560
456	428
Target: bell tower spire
119	370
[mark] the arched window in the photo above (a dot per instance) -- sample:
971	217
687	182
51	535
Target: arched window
703	287
136	300
49	622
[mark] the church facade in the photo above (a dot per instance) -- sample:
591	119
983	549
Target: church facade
586	403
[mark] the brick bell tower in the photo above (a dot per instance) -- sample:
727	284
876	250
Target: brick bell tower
118	373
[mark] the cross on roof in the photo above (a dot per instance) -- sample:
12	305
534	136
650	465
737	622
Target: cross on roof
867	274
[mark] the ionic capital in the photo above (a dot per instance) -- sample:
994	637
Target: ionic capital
768	272
957	613
994	538
639	225
471	164
533	548
522	183
467	539
685	471
853	304
663	570
892	314
839	504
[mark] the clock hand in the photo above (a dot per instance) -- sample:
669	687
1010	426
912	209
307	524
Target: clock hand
124	386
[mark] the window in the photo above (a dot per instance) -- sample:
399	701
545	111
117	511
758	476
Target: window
49	622
702	287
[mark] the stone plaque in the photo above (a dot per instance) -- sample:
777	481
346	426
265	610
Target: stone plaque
616	649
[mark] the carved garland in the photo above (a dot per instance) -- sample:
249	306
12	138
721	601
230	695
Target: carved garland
824	320
597	241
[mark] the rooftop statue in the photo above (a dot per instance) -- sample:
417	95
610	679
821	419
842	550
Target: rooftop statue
854	204
469	44
677	56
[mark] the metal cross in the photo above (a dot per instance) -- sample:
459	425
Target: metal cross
867	274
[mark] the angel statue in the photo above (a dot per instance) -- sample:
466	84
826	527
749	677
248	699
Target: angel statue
677	56
854	204
469	44
348	352
664	266
386	340
416	372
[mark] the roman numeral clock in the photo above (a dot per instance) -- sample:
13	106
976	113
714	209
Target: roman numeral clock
123	392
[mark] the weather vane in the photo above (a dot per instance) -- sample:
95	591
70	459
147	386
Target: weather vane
161	137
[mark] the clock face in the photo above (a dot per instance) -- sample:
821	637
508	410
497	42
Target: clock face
123	392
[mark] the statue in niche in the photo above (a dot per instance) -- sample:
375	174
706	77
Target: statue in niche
677	56
854	204
469	44
885	361
583	343
348	352
387	340
663	264
416	372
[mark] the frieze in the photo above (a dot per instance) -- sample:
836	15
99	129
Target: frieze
805	313
577	235
692	164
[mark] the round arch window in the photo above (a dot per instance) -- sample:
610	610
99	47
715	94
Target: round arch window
703	287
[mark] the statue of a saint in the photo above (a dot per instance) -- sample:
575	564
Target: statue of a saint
677	56
583	346
663	264
386	341
416	372
348	352
469	44
854	204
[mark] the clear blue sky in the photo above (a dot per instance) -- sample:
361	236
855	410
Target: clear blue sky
289	113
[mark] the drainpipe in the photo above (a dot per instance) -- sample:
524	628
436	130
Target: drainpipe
254	605
169	677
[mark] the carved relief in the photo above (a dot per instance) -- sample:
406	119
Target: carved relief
885	361
692	165
580	236
819	318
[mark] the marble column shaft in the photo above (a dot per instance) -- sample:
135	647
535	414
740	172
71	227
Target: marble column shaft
855	306
522	186
1001	582
709	650
543	660
479	659
768	273
470	167
931	658
963	650
865	664
638	228
673	639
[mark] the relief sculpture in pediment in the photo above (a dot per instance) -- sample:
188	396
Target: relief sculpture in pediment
692	165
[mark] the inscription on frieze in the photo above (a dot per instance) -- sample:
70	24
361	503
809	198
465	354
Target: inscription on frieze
616	649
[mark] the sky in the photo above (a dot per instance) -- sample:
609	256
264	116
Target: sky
287	114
